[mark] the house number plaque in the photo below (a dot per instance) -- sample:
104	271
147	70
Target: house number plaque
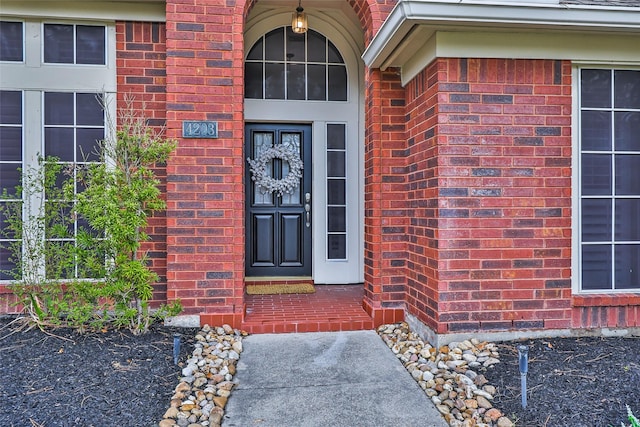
199	129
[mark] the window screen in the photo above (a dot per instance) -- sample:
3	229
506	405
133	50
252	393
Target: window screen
610	179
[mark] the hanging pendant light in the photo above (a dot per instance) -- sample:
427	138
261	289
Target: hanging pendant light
299	20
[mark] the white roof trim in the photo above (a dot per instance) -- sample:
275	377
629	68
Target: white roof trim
150	11
476	15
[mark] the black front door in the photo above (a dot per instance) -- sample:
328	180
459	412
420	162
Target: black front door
278	185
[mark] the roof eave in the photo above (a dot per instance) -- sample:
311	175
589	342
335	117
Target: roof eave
542	15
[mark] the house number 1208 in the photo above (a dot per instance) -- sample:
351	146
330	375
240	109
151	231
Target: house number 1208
199	129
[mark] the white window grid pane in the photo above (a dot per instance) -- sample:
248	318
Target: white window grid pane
292	140
74	46
78	160
23	38
6	241
343	205
29	76
262	142
306	63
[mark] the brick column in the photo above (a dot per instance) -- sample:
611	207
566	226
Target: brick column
501	240
385	198
423	194
205	192
386	212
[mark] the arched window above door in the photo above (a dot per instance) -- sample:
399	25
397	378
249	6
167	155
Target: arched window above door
286	65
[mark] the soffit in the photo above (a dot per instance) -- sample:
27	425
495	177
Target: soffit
624	3
412	25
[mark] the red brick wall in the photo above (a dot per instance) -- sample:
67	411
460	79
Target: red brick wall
205	217
205	178
141	68
422	193
141	77
372	14
7	301
386	214
497	234
467	180
606	311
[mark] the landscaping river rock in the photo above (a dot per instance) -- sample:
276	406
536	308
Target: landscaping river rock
59	378
206	383
452	375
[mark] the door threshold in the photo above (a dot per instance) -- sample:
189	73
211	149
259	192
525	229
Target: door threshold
264	280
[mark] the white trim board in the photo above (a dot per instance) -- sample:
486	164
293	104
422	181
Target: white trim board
318	114
149	11
592	48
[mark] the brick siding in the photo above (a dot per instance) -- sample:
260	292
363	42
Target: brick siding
141	78
386	212
490	184
7	301
467	180
606	311
205	190
423	195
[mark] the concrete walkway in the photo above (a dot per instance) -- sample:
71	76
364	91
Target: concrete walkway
325	379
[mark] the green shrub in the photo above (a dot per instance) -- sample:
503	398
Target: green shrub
99	275
37	222
120	193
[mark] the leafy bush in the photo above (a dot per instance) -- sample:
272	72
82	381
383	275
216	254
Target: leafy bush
37	226
119	194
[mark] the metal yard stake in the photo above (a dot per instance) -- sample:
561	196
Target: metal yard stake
176	348
523	361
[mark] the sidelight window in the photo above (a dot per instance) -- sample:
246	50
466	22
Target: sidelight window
336	191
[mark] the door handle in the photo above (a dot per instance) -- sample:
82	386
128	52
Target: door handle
307	209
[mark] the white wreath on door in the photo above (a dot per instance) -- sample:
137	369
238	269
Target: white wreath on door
261	173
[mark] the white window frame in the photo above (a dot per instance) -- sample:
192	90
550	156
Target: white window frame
75	25
304	62
577	180
24	35
319	113
34	77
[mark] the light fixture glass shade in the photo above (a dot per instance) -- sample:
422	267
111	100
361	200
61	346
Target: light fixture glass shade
299	21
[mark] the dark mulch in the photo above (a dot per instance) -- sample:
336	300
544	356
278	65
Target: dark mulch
571	382
62	378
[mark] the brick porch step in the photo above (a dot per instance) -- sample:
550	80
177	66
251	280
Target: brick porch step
330	308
